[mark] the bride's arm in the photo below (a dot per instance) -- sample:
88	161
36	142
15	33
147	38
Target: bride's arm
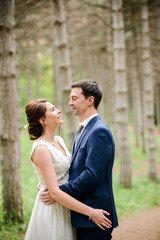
42	158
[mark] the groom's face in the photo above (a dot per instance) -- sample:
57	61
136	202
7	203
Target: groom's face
78	102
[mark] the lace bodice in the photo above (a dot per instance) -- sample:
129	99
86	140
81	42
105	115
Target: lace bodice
60	161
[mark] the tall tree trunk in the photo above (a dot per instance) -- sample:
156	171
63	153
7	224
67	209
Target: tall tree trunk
88	55
37	65
133	75
63	76
110	97
147	70
140	95
28	72
70	30
98	76
157	84
10	116
142	122
136	80
121	94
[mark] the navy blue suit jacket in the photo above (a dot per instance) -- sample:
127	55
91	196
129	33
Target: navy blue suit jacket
90	174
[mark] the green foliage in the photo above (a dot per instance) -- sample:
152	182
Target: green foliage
46	84
143	194
137	153
10	232
28	177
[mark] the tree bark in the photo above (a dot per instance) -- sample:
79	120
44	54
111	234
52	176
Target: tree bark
63	71
133	75
136	79
99	77
28	71
70	29
109	98
9	115
38	70
121	101
157	83
147	70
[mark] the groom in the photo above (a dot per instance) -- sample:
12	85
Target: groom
90	176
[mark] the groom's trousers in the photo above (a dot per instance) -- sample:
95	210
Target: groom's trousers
93	234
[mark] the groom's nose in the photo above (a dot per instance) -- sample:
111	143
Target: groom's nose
70	102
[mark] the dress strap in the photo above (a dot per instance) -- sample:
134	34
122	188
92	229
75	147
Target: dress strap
40	143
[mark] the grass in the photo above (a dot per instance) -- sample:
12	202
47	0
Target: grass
144	194
136	152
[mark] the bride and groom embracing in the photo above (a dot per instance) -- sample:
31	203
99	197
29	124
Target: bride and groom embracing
81	182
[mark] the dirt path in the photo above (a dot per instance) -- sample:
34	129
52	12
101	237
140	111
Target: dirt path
143	226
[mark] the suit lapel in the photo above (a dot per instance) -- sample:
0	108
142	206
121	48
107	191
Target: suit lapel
73	145
87	128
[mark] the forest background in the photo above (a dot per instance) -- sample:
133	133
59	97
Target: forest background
47	45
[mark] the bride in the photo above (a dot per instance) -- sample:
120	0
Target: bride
51	161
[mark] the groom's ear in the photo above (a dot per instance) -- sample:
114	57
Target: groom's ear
90	100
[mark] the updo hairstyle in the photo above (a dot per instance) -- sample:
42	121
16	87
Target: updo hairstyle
35	110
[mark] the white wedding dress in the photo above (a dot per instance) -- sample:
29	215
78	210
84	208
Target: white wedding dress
51	222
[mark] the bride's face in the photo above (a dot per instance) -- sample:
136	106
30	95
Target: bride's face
53	116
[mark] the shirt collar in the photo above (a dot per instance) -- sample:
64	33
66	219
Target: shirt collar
86	121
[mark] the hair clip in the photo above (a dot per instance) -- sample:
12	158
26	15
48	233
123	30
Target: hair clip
27	126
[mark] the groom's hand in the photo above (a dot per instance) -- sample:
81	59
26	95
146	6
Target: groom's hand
46	197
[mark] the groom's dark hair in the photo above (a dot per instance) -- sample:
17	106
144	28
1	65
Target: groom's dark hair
90	88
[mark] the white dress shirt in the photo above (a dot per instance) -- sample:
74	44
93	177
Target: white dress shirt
86	121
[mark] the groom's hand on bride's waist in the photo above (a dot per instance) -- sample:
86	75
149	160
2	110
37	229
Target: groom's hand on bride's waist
46	197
